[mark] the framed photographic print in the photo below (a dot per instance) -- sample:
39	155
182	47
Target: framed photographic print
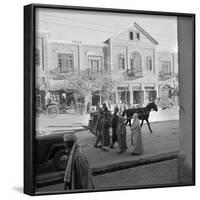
109	99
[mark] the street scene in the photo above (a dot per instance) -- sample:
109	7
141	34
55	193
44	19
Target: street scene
107	101
159	146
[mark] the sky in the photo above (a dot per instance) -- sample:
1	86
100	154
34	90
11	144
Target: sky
97	27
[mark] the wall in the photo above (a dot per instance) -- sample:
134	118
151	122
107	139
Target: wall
186	87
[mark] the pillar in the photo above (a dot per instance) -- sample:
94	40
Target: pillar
186	87
131	96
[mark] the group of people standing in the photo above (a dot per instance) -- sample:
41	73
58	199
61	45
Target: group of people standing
106	121
78	174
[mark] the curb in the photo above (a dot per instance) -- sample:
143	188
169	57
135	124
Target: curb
58	177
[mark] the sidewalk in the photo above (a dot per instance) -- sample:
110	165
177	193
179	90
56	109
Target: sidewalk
162	144
156	174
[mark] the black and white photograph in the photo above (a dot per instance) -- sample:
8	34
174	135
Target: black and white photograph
108	105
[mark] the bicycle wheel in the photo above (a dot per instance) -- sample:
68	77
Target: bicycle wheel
52	111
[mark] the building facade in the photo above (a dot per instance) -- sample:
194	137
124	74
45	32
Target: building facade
138	72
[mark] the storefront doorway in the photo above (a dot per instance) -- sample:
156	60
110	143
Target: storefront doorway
96	98
123	95
138	97
150	95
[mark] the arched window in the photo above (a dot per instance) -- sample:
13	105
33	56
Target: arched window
136	61
149	63
121	61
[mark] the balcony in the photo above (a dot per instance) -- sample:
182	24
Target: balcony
134	73
164	75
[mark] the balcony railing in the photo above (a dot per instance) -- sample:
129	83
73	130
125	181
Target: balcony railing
165	75
134	72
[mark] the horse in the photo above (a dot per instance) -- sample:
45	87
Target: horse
143	113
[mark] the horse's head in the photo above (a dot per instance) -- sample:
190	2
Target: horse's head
153	106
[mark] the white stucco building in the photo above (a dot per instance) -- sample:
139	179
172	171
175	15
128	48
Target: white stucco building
140	72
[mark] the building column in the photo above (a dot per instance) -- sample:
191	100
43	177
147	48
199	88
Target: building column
186	87
88	98
131	96
156	88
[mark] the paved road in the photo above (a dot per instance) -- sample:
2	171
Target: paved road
152	174
77	121
165	139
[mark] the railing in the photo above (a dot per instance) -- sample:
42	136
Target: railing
165	75
134	72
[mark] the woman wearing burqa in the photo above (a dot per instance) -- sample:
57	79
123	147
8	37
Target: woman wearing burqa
105	133
121	133
136	137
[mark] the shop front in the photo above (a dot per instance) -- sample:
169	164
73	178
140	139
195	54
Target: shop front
40	87
60	92
96	98
123	95
150	94
138	95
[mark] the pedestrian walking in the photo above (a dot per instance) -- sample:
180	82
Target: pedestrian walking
78	174
98	130
105	132
81	108
121	133
114	122
88	107
136	136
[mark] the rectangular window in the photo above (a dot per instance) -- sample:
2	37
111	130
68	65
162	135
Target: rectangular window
131	35
138	36
138	97
38	100
65	63
37	57
121	63
132	64
149	64
165	70
95	64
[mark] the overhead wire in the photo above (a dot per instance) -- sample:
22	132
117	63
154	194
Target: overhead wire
92	29
110	26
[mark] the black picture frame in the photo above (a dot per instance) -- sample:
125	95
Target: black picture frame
186	44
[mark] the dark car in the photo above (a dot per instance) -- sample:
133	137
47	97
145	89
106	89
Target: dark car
49	146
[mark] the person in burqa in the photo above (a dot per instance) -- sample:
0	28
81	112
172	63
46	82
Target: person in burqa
78	174
136	136
121	133
105	132
115	118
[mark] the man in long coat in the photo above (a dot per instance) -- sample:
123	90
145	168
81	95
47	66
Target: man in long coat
77	174
105	133
115	118
98	128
